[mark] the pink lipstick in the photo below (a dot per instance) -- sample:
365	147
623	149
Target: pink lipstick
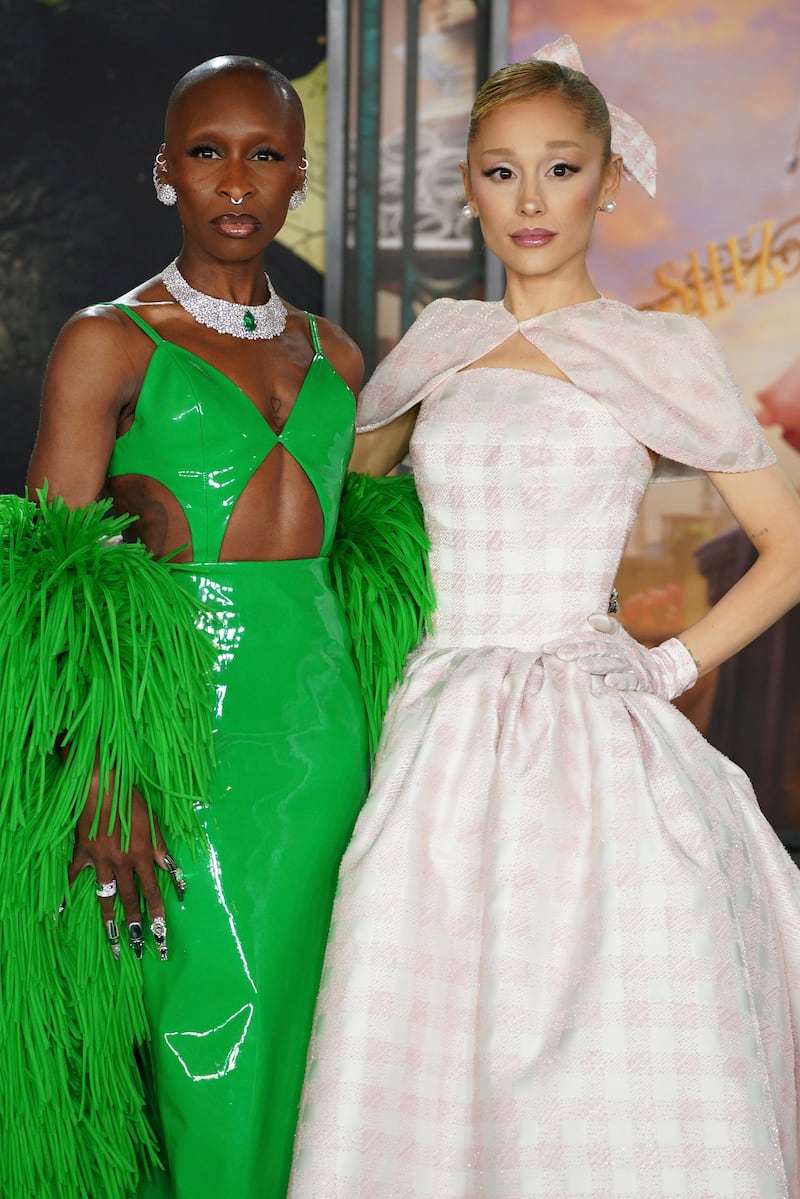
533	237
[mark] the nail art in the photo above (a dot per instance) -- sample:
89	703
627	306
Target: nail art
113	937
176	874
159	930
135	938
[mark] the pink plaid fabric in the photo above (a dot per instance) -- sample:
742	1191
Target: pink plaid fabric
565	954
628	138
662	375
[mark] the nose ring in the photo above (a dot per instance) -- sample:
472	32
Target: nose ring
239	201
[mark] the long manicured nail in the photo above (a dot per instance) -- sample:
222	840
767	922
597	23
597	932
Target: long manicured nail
159	930
113	937
176	874
135	938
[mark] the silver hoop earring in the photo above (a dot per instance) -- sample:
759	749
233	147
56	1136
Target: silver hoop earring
298	196
165	192
610	206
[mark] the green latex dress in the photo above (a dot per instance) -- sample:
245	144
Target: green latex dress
230	1012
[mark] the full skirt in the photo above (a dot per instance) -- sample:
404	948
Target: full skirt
564	959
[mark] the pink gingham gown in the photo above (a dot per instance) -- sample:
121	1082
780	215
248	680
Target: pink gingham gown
565	954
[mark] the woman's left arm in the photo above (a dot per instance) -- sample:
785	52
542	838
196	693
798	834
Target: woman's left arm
768	510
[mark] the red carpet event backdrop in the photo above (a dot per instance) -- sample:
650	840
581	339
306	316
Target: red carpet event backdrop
717	84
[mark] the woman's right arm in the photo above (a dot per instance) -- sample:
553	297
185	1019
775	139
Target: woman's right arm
89	379
89	375
380	450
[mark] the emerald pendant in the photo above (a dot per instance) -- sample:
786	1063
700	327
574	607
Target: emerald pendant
257	322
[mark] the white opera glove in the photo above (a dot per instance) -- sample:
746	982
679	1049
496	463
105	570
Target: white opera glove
625	664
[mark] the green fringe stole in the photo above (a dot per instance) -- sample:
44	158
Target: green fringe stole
379	569
99	650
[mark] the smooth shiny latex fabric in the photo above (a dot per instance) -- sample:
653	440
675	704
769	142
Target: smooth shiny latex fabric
230	1011
203	438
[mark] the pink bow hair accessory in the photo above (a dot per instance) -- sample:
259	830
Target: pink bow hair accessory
628	138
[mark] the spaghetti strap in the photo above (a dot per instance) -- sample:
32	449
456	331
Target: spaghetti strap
312	325
137	320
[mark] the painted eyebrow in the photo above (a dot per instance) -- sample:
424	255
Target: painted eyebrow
508	152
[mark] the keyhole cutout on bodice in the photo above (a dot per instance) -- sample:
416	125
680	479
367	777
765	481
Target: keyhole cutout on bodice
161	521
277	515
517	353
242	495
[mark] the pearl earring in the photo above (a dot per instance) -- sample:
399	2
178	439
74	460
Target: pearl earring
165	192
610	206
466	211
298	196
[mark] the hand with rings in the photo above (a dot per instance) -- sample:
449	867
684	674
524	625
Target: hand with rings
126	876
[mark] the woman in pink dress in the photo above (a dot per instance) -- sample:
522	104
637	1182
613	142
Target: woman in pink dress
565	955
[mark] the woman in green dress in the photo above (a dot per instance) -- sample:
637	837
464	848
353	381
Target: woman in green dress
222	420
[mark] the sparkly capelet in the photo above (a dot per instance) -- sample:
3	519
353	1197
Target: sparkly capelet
661	375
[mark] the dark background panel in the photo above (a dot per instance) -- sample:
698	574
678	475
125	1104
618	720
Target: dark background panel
83	87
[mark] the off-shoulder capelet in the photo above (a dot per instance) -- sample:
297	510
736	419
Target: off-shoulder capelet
661	375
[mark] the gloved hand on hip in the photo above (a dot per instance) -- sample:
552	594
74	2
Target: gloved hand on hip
625	664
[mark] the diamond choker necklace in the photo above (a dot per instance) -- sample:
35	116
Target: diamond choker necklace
255	322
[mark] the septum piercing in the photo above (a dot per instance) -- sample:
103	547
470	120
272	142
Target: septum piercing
240	201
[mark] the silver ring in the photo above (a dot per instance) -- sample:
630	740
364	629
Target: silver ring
240	201
106	890
175	873
159	930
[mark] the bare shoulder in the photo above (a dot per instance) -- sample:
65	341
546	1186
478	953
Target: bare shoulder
100	334
342	352
88	376
95	366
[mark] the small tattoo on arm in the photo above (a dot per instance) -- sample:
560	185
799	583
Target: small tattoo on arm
133	496
760	533
691	655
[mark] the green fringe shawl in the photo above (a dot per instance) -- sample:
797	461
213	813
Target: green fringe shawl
99	650
379	569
